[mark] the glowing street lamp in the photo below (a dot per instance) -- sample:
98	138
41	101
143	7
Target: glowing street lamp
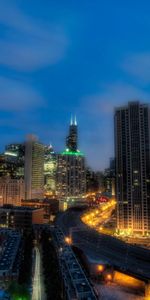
68	240
109	277
100	268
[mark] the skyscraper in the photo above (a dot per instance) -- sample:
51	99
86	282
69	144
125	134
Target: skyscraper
72	138
71	180
34	168
14	156
12	161
109	178
132	148
50	165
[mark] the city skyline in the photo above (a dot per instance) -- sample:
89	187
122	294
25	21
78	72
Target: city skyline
75	150
62	59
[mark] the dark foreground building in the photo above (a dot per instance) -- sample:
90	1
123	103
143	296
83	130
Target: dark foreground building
21	218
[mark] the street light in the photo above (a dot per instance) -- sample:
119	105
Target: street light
68	240
109	277
100	268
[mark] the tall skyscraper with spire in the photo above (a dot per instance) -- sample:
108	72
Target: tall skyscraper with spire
71	180
72	138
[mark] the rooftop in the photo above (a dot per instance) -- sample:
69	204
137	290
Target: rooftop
9	249
18	208
76	153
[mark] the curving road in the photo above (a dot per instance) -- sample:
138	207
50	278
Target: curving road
131	259
98	217
37	294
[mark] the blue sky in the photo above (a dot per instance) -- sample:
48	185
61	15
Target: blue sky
59	58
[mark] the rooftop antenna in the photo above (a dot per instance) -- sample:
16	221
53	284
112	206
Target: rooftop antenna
71	121
75	121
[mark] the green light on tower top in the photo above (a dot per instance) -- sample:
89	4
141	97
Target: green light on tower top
68	152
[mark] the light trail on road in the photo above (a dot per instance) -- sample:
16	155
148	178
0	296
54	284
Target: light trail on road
96	218
36	294
133	260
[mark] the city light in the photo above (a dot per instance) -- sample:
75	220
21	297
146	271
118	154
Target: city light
77	153
68	240
109	277
74	225
10	153
100	268
97	218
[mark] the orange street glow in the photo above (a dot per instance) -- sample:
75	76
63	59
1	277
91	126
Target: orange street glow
100	268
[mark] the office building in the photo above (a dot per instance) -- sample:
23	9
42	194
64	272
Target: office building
34	168
92	183
20	218
11	190
71	181
50	165
71	174
72	138
7	167
50	207
12	161
109	179
14	158
15	152
132	149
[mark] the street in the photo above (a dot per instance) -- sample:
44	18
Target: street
37	286
135	260
98	217
115	292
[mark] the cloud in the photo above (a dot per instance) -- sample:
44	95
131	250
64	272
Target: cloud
16	96
115	94
97	141
28	45
138	65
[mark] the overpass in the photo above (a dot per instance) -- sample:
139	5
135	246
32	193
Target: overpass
75	281
132	260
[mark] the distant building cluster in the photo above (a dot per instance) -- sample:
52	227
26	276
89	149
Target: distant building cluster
34	175
33	171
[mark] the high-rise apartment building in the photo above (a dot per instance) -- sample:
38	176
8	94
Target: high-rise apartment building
132	149
34	168
71	175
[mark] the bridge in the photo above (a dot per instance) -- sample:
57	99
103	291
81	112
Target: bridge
132	260
76	283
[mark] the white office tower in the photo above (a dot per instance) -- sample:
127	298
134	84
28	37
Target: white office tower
34	168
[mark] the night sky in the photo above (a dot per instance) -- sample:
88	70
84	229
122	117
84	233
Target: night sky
63	57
